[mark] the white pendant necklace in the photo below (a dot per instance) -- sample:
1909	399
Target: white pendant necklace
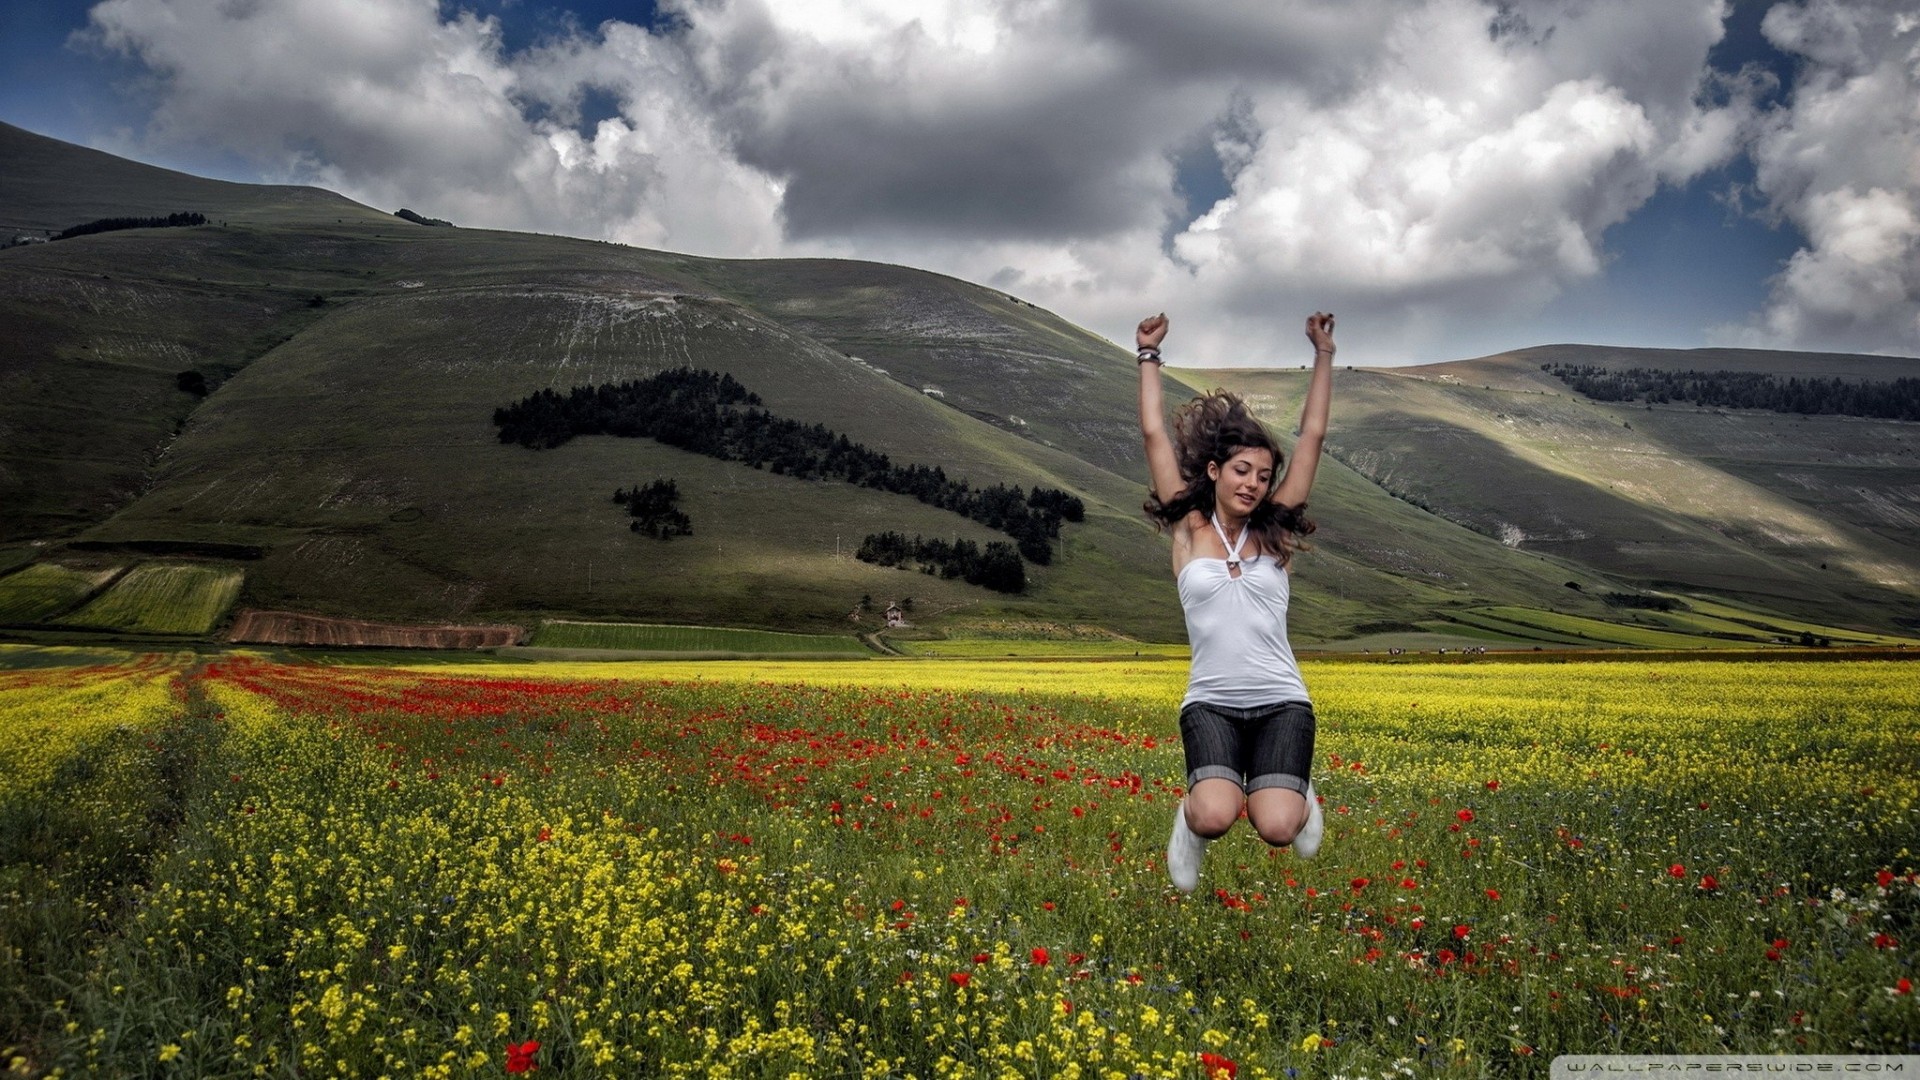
1232	549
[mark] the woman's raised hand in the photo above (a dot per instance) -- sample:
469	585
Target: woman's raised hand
1151	331
1319	331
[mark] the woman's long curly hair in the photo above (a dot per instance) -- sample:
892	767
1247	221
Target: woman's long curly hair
1210	430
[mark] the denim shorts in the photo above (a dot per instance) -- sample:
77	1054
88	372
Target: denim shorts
1267	746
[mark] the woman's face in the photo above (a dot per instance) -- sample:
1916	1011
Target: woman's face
1241	481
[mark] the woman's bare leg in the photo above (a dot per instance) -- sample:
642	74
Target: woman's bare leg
1277	814
1213	805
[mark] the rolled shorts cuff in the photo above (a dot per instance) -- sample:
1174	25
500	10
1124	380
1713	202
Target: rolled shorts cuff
1214	772
1278	780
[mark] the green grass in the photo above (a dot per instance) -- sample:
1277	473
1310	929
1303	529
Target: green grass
1768	626
15	656
1598	631
45	589
163	598
1591	486
988	648
650	637
1514	631
1694	622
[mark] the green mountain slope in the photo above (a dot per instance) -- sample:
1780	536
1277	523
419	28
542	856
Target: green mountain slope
1815	515
345	460
49	185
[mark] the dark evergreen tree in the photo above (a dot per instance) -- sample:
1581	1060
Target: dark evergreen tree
116	223
654	509
998	566
713	414
1897	399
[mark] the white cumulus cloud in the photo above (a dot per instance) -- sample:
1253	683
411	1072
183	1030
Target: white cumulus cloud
394	102
1841	160
1418	166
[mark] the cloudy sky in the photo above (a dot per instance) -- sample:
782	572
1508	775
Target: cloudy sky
1451	177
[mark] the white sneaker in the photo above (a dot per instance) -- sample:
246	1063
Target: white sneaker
1185	850
1306	842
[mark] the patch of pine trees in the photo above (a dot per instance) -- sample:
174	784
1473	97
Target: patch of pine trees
996	566
1898	399
655	509
113	224
711	413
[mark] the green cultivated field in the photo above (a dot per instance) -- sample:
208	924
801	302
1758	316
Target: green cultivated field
163	599
1597	631
989	648
1770	625
45	589
648	637
1708	626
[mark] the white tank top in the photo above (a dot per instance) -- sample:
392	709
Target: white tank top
1237	627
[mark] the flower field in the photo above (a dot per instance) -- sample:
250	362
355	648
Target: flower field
941	869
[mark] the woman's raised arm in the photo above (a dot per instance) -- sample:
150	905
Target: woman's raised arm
1162	466
1298	481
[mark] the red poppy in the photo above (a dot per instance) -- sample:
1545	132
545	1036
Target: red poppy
1493	894
1216	1066
1884	878
1709	882
1904	986
1676	871
1041	957
1774	955
959	978
1885	941
520	1056
981	958
1464	814
1493	785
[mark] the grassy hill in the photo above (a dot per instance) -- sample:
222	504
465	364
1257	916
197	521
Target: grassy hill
1817	515
345	463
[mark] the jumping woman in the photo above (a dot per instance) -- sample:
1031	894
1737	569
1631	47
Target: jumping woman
1236	518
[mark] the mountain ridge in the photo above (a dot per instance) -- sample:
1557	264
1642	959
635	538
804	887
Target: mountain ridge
353	361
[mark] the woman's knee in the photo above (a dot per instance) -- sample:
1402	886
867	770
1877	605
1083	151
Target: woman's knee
1212	817
1277	833
1277	815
